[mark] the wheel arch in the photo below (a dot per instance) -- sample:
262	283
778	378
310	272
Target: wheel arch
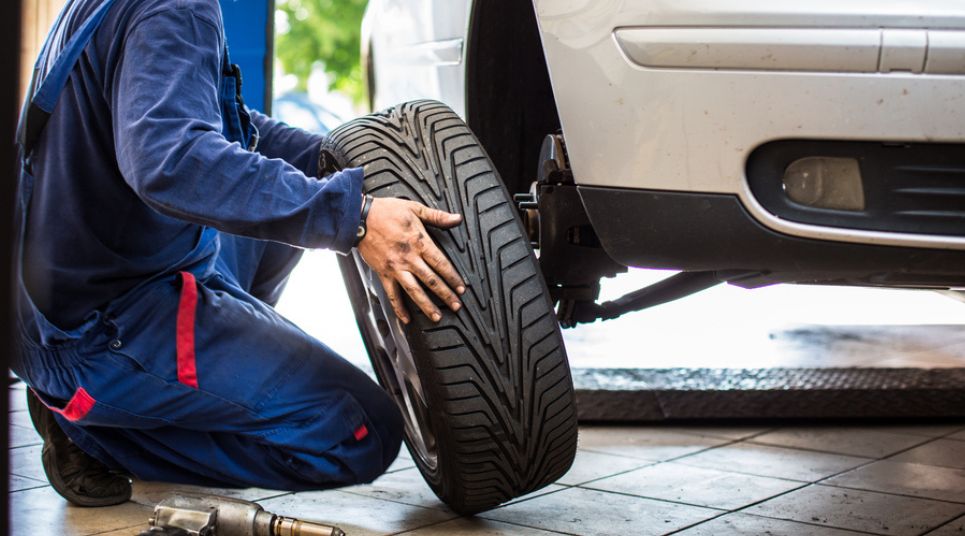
509	98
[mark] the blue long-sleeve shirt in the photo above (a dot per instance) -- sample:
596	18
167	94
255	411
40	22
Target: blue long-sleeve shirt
132	163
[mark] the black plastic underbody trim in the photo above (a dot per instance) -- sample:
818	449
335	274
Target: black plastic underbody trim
907	187
697	231
768	393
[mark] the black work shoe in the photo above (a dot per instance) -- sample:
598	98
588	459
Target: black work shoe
75	475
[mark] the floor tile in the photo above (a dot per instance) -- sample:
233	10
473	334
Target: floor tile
552	488
400	463
357	515
477	527
727	432
406	486
18	400
623	489
17	483
955	528
694	485
589	512
941	452
776	462
42	511
593	465
409	487
645	443
859	510
928	430
25	461
20	418
151	493
21	436
853	441
942	483
738	524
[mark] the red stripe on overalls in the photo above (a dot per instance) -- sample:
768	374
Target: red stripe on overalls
187	366
77	407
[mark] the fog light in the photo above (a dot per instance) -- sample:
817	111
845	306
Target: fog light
825	182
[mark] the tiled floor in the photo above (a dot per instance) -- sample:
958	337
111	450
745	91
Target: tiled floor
691	480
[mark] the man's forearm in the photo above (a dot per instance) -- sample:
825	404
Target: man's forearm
296	146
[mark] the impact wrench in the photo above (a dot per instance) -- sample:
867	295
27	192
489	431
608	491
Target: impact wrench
190	514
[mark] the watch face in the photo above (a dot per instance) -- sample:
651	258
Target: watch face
360	232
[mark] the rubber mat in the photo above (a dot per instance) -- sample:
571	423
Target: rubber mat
768	393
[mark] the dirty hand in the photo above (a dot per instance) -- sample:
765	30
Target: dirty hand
397	246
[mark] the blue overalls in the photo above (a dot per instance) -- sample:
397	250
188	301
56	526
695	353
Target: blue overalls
192	376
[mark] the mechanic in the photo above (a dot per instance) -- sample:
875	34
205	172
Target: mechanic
160	219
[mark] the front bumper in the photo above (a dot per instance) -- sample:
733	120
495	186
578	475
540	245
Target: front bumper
640	112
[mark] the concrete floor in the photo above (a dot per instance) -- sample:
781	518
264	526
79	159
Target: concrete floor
726	326
693	480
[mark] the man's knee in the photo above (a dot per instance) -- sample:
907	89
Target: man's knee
384	422
361	457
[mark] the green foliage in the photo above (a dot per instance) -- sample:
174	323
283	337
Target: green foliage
325	31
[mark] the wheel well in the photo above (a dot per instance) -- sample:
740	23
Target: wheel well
509	100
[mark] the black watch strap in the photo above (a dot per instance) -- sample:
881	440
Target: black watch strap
360	233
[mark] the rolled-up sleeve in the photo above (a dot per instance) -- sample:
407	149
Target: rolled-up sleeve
170	149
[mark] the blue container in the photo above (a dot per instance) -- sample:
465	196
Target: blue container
250	31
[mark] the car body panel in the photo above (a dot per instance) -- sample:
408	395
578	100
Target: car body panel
417	50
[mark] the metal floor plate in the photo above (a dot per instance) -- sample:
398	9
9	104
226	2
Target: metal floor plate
766	393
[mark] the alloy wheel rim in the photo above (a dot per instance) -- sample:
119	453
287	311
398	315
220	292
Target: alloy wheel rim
394	364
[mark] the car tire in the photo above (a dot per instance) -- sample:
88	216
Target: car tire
486	393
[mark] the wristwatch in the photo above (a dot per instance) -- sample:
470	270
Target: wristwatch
360	232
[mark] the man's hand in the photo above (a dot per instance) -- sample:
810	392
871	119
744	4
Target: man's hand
397	246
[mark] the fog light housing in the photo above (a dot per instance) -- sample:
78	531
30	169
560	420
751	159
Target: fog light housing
825	182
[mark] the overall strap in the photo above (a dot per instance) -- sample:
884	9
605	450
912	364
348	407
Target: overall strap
236	118
41	103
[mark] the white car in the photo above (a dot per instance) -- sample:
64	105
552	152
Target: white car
818	141
735	141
